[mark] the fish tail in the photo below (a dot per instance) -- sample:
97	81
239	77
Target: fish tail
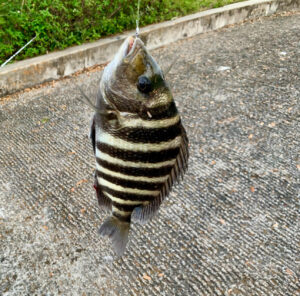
117	231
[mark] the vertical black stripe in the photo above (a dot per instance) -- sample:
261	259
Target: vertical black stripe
161	112
129	183
124	207
131	171
127	196
121	217
149	135
147	157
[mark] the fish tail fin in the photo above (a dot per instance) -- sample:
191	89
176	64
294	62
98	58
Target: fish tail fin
117	231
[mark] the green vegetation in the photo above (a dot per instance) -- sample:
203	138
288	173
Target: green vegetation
62	23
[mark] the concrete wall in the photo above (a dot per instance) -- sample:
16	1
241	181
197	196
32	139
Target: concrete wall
31	72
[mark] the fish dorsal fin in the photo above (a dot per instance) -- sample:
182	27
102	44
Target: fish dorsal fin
144	213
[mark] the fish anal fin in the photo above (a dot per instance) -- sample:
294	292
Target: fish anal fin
144	213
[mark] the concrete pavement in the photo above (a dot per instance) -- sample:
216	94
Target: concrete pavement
230	228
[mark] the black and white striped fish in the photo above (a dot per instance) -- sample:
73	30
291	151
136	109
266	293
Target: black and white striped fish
140	145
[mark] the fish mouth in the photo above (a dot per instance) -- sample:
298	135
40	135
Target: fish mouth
133	46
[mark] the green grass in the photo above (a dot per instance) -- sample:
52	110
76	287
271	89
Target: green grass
63	23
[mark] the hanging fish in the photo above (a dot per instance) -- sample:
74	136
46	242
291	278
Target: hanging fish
140	145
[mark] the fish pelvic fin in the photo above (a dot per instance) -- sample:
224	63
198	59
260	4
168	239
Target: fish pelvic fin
103	200
117	231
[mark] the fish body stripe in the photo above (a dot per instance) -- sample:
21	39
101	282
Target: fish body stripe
124	207
141	157
153	135
133	164
160	169
141	123
149	135
127	197
118	143
115	173
161	112
129	190
129	183
118	201
121	212
121	217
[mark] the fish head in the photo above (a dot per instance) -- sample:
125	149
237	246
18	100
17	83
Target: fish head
133	82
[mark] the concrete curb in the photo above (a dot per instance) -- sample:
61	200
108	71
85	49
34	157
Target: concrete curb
31	72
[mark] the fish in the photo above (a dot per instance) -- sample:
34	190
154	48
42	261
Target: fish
139	142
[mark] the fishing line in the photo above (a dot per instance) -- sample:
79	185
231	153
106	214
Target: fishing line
18	52
137	32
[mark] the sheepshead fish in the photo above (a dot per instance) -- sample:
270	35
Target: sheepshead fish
140	145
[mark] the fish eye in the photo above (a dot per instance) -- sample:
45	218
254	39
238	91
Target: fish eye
144	84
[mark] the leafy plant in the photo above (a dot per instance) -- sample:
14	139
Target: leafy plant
62	23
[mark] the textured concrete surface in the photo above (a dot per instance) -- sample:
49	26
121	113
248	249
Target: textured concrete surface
232	226
28	73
